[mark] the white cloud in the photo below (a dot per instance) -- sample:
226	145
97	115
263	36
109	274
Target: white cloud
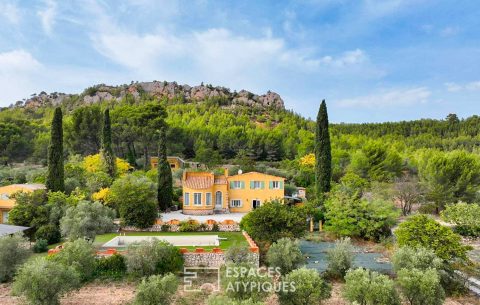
470	86
17	61
389	98
449	31
10	12
47	16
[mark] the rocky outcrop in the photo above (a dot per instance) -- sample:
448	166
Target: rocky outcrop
161	90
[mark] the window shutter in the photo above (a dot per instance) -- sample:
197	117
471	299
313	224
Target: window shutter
231	184
242	184
262	185
281	185
252	185
270	184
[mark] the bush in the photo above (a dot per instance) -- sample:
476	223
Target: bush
153	257
242	282
340	258
215	228
12	254
189	226
80	255
156	290
309	288
43	281
286	255
369	288
216	299
421	287
238	254
86	220
465	216
110	267
40	246
350	216
418	258
424	231
50	233
165	228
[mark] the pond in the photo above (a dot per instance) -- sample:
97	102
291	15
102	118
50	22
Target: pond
316	253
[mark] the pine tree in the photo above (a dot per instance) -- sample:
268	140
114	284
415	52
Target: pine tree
107	152
323	153
165	186
56	172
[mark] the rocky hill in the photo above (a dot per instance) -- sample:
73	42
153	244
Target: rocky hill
161	90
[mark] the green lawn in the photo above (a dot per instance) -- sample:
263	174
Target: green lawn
231	237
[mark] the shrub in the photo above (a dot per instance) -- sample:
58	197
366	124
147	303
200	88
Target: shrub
153	257
421	287
369	288
215	228
189	226
350	216
80	255
285	254
110	267
43	281
165	228
238	254
241	282
40	246
50	233
340	258
465	216
12	255
86	220
418	258
309	288
216	299
424	231
156	290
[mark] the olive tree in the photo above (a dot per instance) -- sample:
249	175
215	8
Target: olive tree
80	255
156	289
421	287
340	258
12	254
303	287
238	254
418	258
285	254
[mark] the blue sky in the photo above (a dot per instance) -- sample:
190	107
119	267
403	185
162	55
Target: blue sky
372	60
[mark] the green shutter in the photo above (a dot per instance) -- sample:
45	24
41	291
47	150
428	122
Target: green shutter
270	184
281	185
262	185
231	185
252	185
242	184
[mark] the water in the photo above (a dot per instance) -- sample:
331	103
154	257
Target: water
317	257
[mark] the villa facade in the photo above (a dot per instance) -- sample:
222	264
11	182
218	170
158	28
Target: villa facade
6	200
206	193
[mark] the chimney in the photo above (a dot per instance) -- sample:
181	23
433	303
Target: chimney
225	172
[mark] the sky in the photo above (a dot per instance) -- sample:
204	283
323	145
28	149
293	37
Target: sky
371	60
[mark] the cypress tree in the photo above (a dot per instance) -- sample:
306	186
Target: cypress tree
107	152
56	172
323	153
165	184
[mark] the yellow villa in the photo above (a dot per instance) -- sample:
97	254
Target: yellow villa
7	203
206	193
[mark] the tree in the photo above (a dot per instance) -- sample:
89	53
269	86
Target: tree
273	220
238	254
323	153
156	290
80	255
285	254
83	130
107	151
415	258
407	192
13	254
53	279
465	217
86	220
135	198
165	184
217	299
367	287
424	231
245	281
421	287
340	258
55	176
153	257
310	288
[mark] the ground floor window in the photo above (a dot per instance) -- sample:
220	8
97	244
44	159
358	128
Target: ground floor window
5	217
236	203
186	199
197	198
255	203
208	198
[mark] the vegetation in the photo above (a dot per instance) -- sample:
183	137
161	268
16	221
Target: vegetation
238	254
55	175
323	154
465	217
113	266
421	287
80	255
285	254
340	258
165	181
310	288
156	289
239	282
106	151
415	258
12	255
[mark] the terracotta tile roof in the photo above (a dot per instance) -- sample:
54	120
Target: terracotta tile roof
198	182
220	180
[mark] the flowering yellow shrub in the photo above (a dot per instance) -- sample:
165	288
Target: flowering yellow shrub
308	160
93	163
101	195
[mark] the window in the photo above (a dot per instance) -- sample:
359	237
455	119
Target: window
276	185
256	185
5	217
235	203
197	198
3	196
186	199
236	184
208	198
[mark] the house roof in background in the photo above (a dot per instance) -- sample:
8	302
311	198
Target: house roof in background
9	230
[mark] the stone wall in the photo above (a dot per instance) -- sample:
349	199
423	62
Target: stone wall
175	228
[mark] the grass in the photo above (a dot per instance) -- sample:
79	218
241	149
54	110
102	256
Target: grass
231	238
